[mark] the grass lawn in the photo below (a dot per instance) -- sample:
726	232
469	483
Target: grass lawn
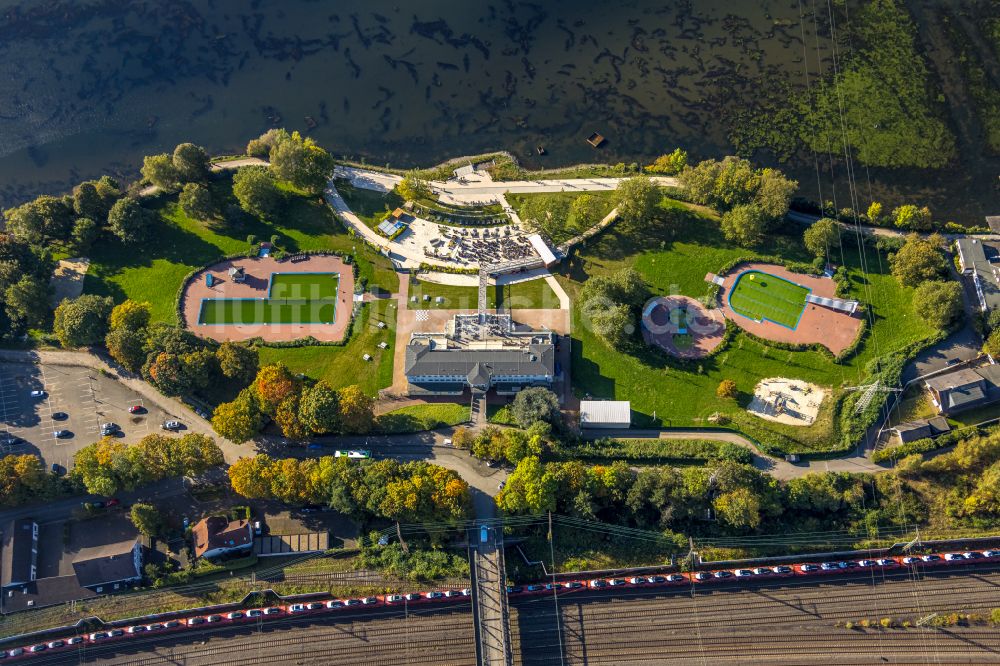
416	418
154	271
345	365
570	228
533	294
759	295
369	205
499	414
673	255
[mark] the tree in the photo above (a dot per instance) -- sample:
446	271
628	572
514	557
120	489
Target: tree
302	162
82	321
993	344
256	191
875	213
88	202
131	314
166	372
160	171
822	236
636	199
319	408
196	201
913	218
413	188
85	232
529	489
190	162
147	519
727	390
130	222
586	211
287	417
739	508
23	479
546	214
261	146
669	164
46	218
774	194
938	303
249	476
239	420
237	361
127	346
535	404
201	368
357	413
28	301
613	325
918	260
274	383
744	225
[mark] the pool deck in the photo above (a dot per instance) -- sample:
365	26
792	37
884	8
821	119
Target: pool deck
833	329
258	273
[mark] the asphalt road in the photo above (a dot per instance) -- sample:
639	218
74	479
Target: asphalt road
773	622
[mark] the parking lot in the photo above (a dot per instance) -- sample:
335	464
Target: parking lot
77	400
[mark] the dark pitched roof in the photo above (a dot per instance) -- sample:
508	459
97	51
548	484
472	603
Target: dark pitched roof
953	380
107	564
965	397
913	430
19	558
536	359
939	424
219	532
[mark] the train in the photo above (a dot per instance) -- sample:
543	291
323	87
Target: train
318	607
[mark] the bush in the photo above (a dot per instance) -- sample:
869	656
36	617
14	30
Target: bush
654	451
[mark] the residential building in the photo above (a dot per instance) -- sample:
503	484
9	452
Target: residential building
19	558
964	389
605	413
216	536
109	568
921	429
976	259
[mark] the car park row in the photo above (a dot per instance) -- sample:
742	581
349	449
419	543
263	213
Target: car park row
234	617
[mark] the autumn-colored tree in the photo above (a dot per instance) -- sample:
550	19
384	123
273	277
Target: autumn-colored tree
357	413
462	438
251	477
287	418
239	420
130	314
166	372
127	346
319	408
274	383
727	390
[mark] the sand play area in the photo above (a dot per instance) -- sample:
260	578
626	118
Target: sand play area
789	401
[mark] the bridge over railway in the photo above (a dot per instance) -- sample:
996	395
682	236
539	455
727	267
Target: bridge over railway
489	596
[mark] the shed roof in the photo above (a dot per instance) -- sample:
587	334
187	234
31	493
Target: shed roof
605	411
103	565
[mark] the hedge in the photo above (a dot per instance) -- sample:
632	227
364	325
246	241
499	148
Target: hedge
651	451
928	444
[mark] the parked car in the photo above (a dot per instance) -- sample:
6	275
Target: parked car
762	571
637	580
314	605
296	608
38	395
136	409
192	621
615	582
675	578
272	610
972	555
742	573
722	574
352	602
59	416
75	640
109	428
808	568
171	425
866	563
255	612
886	562
530	588
931	558
657	579
411	596
335	603
910	559
55	644
393	598
137	629
573	585
214	618
62	434
57	469
991	553
598	583
37	648
701	575
781	569
369	601
953	557
156	626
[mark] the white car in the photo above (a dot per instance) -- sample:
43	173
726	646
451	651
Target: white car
171	425
234	615
953	557
75	640
137	629
465	591
37	648
297	608
573	585
452	593
370	601
637	580
762	571
991	553
38	395
334	604
356	454
598	583
910	559
56	644
255	612
885	562
98	635
192	621
701	575
675	578
742	573
433	595
722	574
615	582
393	598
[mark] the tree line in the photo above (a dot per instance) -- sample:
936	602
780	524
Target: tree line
412	492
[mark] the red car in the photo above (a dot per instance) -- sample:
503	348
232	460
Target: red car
136	409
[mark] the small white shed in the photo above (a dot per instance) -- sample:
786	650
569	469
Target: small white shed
605	413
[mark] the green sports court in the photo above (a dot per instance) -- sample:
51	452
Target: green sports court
761	296
292	298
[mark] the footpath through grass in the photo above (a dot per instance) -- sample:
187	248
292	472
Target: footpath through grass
759	295
673	255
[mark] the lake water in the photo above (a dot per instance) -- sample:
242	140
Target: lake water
90	87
